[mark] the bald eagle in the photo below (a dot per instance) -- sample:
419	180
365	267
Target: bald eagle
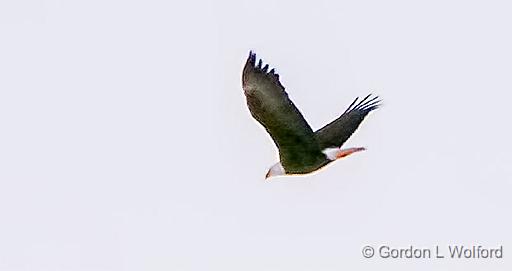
301	151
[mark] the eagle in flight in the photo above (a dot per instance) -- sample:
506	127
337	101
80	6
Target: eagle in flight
301	150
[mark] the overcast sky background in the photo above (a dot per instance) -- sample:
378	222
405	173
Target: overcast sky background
126	144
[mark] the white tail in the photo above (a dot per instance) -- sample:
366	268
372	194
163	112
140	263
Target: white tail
337	153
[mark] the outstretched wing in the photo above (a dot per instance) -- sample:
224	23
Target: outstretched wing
269	105
338	131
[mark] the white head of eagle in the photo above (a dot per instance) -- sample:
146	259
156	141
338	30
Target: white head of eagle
301	150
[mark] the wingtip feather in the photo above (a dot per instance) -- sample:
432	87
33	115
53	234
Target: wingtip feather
259	66
252	58
365	104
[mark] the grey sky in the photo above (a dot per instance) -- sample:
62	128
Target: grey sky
126	143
